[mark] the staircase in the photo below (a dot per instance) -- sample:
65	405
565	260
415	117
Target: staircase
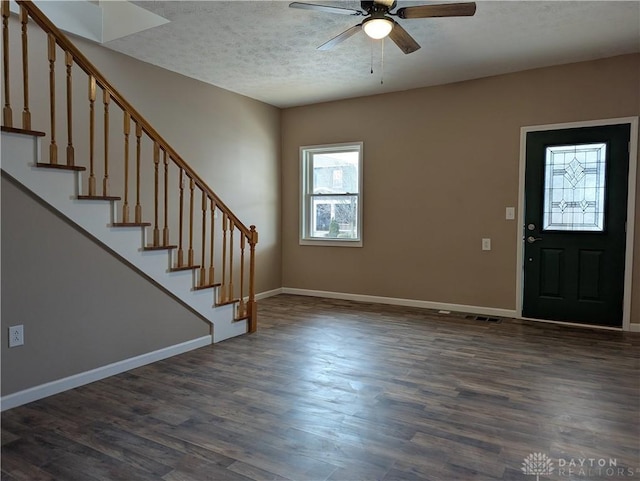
118	179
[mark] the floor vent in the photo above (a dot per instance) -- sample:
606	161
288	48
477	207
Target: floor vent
484	318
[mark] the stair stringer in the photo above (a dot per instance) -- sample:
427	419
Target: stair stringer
60	188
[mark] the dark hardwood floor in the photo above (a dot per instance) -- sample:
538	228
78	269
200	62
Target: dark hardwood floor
343	391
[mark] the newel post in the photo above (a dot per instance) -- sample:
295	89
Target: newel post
252	307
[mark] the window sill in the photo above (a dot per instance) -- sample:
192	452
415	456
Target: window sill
331	243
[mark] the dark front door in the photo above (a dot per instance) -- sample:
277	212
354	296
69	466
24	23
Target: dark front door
575	224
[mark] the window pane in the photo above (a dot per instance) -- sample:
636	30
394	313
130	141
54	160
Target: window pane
322	212
335	173
334	217
574	188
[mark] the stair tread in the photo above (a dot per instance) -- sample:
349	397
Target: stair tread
159	248
98	197
15	130
207	286
131	224
75	168
183	268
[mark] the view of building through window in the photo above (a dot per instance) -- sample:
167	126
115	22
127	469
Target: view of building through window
335	209
331	190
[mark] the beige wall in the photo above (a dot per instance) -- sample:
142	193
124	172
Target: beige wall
440	166
80	306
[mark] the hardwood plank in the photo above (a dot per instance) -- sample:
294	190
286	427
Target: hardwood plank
256	474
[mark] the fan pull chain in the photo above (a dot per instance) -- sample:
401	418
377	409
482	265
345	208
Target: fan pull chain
382	63
372	42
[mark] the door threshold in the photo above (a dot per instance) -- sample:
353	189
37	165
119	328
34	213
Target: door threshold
572	324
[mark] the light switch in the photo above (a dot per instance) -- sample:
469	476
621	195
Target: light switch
510	213
486	244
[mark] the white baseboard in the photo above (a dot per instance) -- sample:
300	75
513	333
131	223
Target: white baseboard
271	293
441	306
634	327
80	379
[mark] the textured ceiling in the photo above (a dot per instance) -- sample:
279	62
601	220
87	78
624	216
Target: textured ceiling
267	51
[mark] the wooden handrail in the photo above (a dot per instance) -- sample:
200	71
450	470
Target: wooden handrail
92	70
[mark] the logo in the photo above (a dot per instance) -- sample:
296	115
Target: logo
537	464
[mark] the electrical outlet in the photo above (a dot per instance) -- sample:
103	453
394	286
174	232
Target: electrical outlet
486	244
16	336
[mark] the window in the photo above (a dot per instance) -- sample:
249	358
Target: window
331	195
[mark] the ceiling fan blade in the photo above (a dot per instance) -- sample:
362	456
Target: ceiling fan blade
467	9
325	8
340	38
402	39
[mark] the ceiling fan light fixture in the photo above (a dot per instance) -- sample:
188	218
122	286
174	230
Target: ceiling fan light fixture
377	28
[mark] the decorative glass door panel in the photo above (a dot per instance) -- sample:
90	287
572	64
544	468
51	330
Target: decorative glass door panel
574	190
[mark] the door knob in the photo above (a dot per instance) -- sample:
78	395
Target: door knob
532	239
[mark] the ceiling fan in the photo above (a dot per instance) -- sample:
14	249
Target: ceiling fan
378	23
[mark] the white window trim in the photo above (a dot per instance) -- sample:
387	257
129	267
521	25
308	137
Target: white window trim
305	181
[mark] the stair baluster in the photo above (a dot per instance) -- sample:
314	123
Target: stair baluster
165	230
53	148
191	199
203	270
106	99
156	163
127	132
92	126
242	308
211	246
180	251
230	286
26	115
223	287
7	114
138	210
68	60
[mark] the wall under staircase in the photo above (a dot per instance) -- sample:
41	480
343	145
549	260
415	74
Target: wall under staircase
80	305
